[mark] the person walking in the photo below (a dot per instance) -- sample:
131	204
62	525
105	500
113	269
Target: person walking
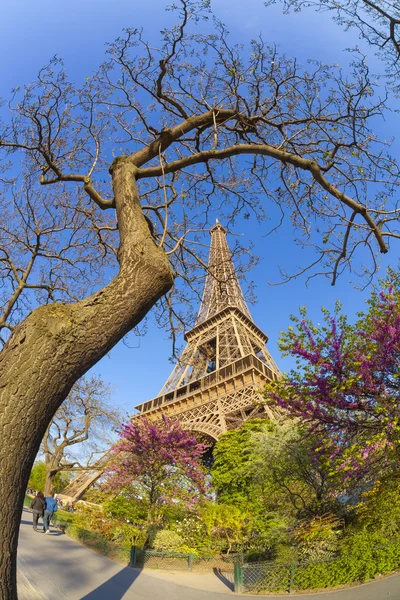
50	508
37	507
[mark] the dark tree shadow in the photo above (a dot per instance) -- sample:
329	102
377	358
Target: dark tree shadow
27	523
220	575
116	587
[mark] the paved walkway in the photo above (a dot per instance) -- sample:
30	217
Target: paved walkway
26	591
58	568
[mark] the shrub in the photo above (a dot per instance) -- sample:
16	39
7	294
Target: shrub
93	519
229	527
167	541
380	508
284	554
363	556
128	535
188	550
193	531
318	538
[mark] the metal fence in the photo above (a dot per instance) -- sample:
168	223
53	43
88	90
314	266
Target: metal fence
223	564
268	577
154	559
247	577
273	577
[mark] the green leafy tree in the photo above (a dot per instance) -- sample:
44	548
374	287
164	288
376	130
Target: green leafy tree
231	455
37	479
238	484
281	459
126	508
269	465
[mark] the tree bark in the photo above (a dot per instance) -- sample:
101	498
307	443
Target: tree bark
49	481
56	344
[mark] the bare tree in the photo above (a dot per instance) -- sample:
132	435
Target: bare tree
48	252
377	21
80	431
161	139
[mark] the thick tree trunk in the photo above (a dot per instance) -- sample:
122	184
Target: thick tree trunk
57	344
49	481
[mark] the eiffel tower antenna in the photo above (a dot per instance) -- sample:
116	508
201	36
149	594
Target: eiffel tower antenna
222	287
217	383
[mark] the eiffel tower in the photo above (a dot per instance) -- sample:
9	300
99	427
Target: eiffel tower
217	383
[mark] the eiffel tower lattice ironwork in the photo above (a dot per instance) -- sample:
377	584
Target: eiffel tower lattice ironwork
217	383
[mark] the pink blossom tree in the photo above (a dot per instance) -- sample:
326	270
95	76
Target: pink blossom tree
160	463
347	384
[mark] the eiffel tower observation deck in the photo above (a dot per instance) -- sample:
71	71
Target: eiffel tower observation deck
217	382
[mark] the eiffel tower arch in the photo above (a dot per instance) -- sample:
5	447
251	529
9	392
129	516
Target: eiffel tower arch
218	380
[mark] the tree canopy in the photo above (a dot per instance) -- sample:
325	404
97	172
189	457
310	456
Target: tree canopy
377	21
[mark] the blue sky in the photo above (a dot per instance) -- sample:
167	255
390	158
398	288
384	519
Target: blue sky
32	32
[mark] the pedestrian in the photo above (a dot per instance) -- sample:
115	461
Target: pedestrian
37	507
50	508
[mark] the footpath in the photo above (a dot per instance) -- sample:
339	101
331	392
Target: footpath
26	591
55	567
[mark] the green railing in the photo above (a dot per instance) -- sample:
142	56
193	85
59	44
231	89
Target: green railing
153	559
268	577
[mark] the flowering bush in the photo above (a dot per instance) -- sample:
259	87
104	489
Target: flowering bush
193	532
93	519
346	386
160	464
